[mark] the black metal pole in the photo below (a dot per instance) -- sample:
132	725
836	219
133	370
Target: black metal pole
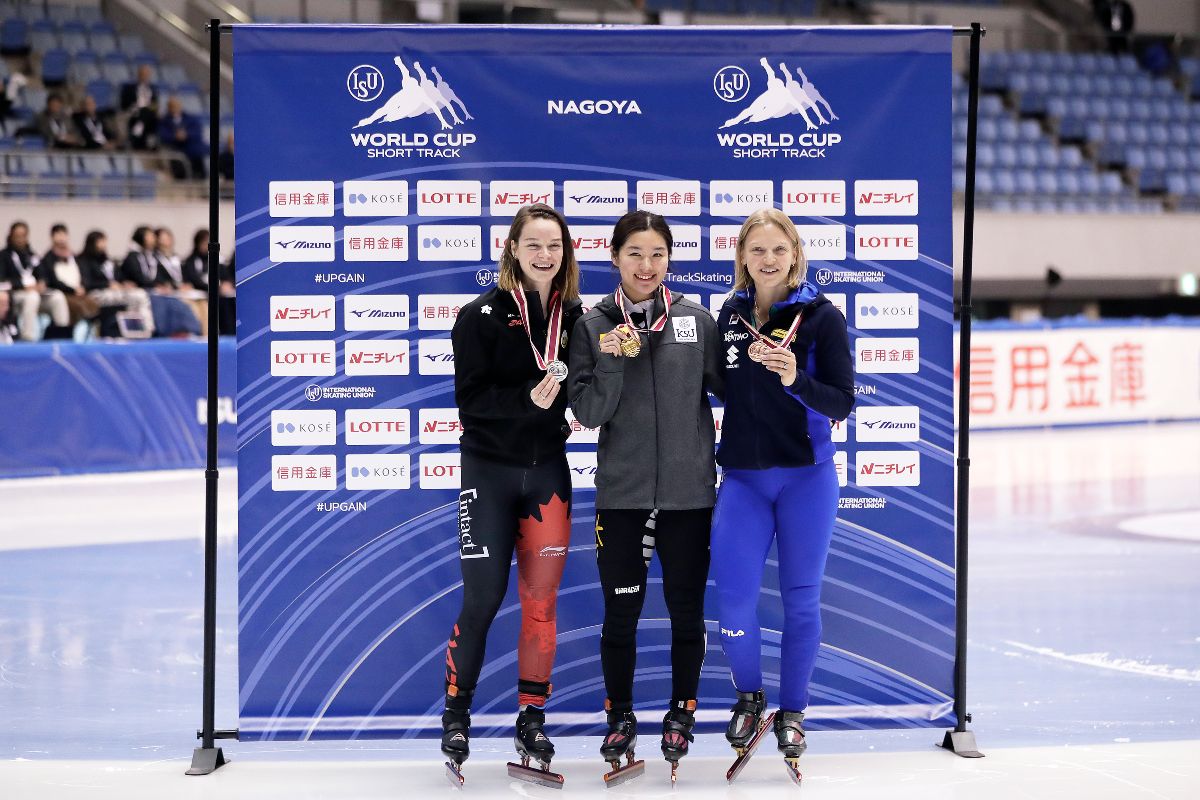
207	757
960	740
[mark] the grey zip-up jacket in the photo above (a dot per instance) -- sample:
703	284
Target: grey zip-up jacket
655	420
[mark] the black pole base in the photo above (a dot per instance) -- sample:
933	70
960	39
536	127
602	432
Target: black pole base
961	743
206	760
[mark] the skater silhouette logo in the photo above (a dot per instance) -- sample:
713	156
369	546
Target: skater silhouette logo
419	94
784	96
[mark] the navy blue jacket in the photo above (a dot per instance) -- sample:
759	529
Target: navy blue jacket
767	424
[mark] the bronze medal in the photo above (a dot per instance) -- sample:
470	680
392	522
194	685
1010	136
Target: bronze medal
758	351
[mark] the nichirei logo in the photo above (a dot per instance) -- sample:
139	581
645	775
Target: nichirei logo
885	198
305	312
886	310
888	468
375	312
291	428
508	197
376	356
439	426
592	242
375	426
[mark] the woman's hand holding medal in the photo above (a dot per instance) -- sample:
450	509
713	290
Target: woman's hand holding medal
622	340
781	361
546	390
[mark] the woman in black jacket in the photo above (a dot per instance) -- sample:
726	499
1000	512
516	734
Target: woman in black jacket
102	282
510	350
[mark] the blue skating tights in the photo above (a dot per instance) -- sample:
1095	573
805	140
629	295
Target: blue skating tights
796	506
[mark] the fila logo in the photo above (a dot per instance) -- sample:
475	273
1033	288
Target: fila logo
595	198
732	634
449	198
303	357
885	310
291	243
377	426
375	198
739	198
887	424
886	243
814	198
436	357
507	197
439	426
301	198
375	312
299	428
309	312
376	356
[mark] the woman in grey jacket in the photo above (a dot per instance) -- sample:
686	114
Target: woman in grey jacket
642	362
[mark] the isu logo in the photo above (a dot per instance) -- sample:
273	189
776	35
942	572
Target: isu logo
417	96
783	96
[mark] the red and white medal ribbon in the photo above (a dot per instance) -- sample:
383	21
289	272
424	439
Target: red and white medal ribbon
763	344
659	323
545	360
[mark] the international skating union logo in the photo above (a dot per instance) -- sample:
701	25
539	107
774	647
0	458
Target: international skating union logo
783	96
731	84
418	96
312	392
365	83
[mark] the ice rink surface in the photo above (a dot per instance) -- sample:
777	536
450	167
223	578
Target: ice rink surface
1083	656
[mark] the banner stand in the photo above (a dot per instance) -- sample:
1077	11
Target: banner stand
960	740
208	757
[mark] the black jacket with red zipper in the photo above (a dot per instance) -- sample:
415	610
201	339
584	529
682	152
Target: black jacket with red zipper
494	372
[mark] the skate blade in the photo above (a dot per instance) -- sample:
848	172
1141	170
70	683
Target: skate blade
542	777
454	775
620	775
744	756
793	772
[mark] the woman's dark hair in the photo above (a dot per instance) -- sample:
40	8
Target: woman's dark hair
139	234
90	248
566	282
13	229
636	221
201	235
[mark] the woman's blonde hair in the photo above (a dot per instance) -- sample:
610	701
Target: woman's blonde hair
769	216
566	282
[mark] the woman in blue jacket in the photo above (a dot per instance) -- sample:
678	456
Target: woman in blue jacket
789	374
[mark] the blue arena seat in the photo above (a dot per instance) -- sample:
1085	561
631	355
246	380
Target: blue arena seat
54	67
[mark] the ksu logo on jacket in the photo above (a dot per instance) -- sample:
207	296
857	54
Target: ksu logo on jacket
418	96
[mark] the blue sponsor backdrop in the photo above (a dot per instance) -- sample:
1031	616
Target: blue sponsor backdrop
347	595
102	407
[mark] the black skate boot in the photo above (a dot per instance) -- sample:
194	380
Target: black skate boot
456	741
620	742
677	732
532	743
747	728
789	733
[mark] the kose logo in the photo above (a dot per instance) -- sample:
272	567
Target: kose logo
823	242
886	310
740	197
731	84
375	198
590	107
382	471
449	242
296	428
365	83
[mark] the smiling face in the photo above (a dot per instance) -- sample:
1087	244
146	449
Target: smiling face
539	252
642	261
769	257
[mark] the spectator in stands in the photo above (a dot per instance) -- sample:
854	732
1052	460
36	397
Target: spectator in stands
103	284
54	125
172	317
184	290
225	159
30	295
93	130
1116	18
181	131
61	271
10	93
227	312
140	101
195	266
